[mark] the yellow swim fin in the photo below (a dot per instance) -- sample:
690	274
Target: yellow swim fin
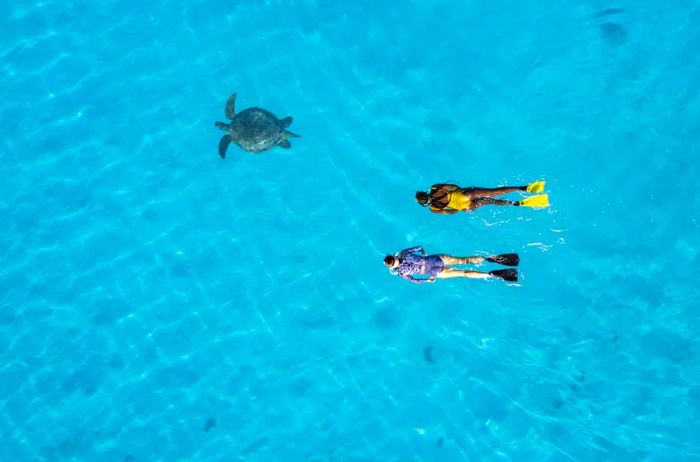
536	187
539	201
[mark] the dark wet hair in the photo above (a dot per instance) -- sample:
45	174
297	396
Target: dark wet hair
389	260
423	198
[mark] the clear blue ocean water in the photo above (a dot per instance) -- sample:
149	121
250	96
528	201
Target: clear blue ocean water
160	304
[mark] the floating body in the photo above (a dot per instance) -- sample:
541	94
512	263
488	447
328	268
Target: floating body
413	262
451	198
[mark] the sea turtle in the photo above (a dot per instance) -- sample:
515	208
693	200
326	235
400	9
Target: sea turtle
254	129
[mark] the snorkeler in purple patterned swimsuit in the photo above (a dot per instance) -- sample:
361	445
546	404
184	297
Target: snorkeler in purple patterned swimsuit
413	262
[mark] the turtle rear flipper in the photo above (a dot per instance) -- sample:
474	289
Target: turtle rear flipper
286	122
223	145
284	144
230	104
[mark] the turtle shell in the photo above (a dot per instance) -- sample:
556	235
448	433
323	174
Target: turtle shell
256	130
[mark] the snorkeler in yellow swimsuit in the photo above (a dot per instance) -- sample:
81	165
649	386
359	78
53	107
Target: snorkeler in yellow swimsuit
451	198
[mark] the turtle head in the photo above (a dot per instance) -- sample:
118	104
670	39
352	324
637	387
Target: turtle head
221	125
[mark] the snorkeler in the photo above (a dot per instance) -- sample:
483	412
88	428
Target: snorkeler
450	198
409	263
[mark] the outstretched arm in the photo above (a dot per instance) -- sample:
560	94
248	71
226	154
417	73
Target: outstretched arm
413	249
408	277
445	186
443	211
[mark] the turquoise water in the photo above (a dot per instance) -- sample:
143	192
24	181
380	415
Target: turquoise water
160	304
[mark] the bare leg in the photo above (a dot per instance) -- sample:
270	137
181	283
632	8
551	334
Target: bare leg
448	273
448	260
481	201
488	192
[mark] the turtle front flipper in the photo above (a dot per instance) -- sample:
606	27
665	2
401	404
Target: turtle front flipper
230	111
223	145
284	144
286	122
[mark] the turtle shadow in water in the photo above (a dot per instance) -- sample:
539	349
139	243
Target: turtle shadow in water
574	390
609	12
611	32
209	424
428	354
